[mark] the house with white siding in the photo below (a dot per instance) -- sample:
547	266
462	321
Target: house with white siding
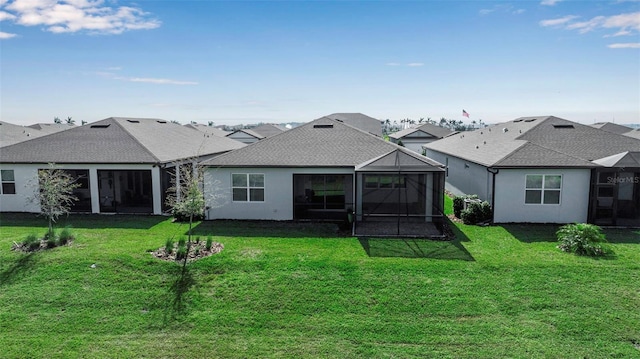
545	169
123	165
329	170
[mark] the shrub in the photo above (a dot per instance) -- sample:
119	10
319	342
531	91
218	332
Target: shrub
476	213
582	239
209	243
181	253
65	236
458	206
32	242
168	246
182	242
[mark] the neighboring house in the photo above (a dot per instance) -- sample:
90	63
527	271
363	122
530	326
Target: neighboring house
257	133
633	133
545	170
123	165
360	121
11	134
413	138
326	169
210	130
612	127
49	128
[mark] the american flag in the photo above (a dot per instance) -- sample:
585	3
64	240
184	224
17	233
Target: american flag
465	114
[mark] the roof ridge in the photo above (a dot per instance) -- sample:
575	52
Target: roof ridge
540	146
115	120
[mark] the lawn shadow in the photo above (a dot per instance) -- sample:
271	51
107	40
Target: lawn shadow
419	248
84	221
532	232
22	265
179	289
276	229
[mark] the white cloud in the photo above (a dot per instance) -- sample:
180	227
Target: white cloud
549	2
629	45
415	64
393	64
624	24
410	64
6	16
68	16
6	35
156	81
559	21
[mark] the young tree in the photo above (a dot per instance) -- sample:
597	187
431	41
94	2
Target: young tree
54	194
186	196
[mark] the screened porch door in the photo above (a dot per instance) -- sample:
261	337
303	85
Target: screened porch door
322	196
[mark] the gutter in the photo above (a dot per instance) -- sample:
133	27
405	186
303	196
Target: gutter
494	172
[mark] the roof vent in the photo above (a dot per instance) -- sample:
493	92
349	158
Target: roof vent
161	121
133	121
100	126
518	120
505	130
562	126
322	126
530	119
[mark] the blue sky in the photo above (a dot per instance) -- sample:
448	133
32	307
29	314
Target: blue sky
281	61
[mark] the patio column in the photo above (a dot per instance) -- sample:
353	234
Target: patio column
94	189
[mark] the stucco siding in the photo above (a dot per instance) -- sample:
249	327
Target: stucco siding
464	177
278	193
510	197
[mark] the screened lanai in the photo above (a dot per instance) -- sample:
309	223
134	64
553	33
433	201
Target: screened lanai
399	195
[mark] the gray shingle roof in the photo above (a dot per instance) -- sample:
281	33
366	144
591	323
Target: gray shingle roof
612	127
359	120
535	142
119	140
208	129
633	133
427	128
320	143
47	128
268	130
11	134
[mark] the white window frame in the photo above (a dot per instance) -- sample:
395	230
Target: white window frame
248	187
3	181
543	189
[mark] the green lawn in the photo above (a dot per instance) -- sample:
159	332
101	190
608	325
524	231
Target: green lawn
302	290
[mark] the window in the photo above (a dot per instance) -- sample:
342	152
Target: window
247	187
384	181
543	189
8	182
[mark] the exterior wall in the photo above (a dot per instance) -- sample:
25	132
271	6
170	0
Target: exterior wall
278	193
415	145
510	195
464	177
26	175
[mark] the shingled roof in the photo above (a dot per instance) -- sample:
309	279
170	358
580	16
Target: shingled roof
429	130
320	143
612	127
119	140
11	134
359	120
543	141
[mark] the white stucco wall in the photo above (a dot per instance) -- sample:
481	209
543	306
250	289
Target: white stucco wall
278	193
510	197
464	177
26	176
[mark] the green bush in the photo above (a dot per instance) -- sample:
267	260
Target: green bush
209	243
32	242
168	246
582	239
181	253
476	213
182	242
458	206
65	236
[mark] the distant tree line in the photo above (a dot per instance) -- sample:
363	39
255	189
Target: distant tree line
454	125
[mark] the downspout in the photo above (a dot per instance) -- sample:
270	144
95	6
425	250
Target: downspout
494	172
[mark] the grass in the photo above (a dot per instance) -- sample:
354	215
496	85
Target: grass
305	291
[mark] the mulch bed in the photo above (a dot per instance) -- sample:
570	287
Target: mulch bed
197	250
